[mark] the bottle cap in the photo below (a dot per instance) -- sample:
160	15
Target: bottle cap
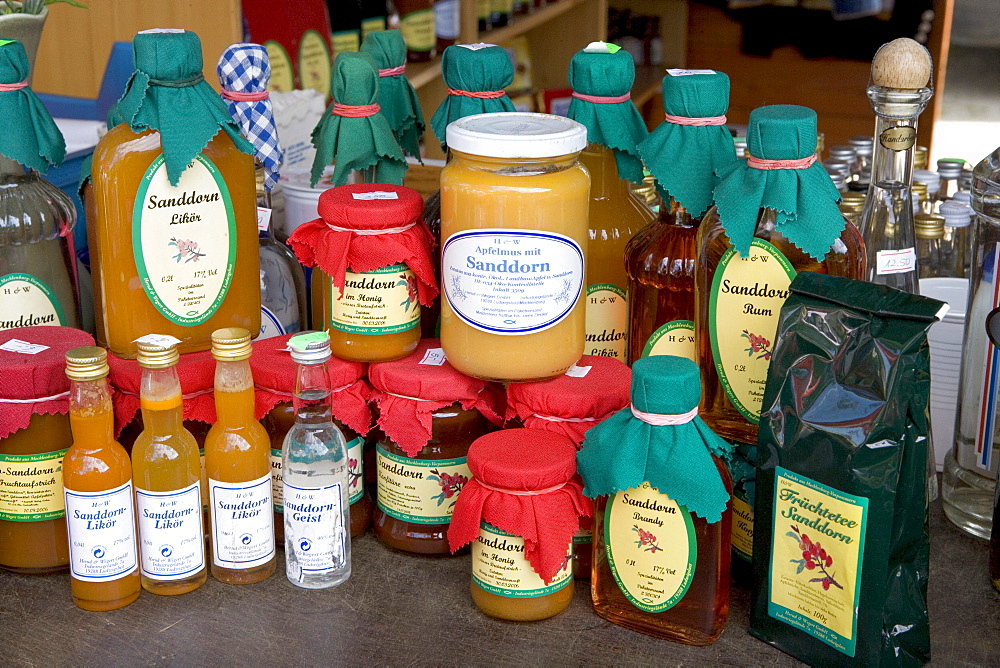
928	226
920	157
950	168
862	144
963	196
855	197
932	180
955	213
310	347
843	152
231	344
516	135
157	351
86	363
902	63
836	166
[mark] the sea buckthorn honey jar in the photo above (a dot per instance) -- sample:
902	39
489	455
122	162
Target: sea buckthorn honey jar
34	437
373	252
520	512
274	383
514	205
429	415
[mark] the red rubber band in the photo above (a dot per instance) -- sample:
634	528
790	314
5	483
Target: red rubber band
355	111
392	71
761	163
481	94
697	122
236	96
602	99
14	86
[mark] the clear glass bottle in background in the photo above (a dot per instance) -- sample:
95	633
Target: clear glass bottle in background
918	192
920	157
956	244
932	181
844	153
282	280
314	475
447	23
862	145
950	171
929	231
970	468
416	22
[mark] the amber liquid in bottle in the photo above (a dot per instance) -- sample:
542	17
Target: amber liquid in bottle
846	258
660	262
700	616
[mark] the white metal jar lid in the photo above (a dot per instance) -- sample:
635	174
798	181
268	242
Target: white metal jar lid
516	135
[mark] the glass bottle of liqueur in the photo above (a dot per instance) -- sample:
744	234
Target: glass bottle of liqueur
97	483
950	171
283	307
345	25
175	231
601	77
37	270
373	17
956	244
929	232
416	22
932	185
166	469
898	93
970	468
684	154
776	215
314	474
447	23
238	467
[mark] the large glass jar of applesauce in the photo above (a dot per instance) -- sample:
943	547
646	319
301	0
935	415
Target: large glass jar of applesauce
514	230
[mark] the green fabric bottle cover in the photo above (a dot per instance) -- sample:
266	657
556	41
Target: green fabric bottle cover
476	76
31	137
353	134
660	440
397	98
781	173
168	93
687	151
601	77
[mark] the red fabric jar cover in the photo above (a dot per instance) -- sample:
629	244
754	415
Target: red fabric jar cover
408	392
524	482
571	405
274	382
197	375
359	245
35	384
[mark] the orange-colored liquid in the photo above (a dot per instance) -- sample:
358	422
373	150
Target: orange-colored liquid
125	312
522	609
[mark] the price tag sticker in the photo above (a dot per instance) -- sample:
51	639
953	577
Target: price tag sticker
434	357
375	194
162	340
687	73
475	47
23	347
578	371
895	261
263	218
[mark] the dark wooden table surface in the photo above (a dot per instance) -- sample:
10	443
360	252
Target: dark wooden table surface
399	609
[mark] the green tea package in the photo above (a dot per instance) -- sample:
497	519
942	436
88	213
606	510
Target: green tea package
841	540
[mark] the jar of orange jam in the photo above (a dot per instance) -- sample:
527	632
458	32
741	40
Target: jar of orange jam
514	231
34	436
274	382
520	512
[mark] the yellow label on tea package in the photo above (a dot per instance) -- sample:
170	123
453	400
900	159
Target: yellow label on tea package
499	566
673	338
651	546
745	300
31	487
384	301
421	491
817	548
607	321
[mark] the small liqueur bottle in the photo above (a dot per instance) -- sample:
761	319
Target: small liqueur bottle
238	467
950	171
416	22
97	482
664	570
956	244
167	473
447	23
315	475
929	233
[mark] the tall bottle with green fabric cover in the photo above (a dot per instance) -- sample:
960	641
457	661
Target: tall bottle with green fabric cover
176	227
37	265
683	154
601	76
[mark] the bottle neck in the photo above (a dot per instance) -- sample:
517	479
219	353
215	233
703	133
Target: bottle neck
312	393
161	402
90	413
605	183
234	397
10	168
263	199
672	213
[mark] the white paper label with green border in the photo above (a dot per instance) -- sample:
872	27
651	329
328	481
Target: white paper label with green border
607	321
282	75
651	546
744	303
422	491
26	301
384	301
355	469
817	550
673	338
499	566
31	487
184	240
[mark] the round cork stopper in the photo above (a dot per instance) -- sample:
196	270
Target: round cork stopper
901	63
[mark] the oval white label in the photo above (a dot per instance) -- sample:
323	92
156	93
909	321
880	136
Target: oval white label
26	301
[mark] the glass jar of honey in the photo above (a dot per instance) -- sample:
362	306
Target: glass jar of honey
520	512
34	437
274	382
514	231
429	415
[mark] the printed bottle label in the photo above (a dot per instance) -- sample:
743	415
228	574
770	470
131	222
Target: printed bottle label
26	301
499	566
419	490
817	549
314	63
345	40
446	19
171	539
607	321
651	546
511	282
355	469
314	527
418	30
745	301
277	485
101	528
673	338
583	537
742	526
900	138
269	324
184	240
895	261
370	25
31	487
282	74
242	522
384	301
